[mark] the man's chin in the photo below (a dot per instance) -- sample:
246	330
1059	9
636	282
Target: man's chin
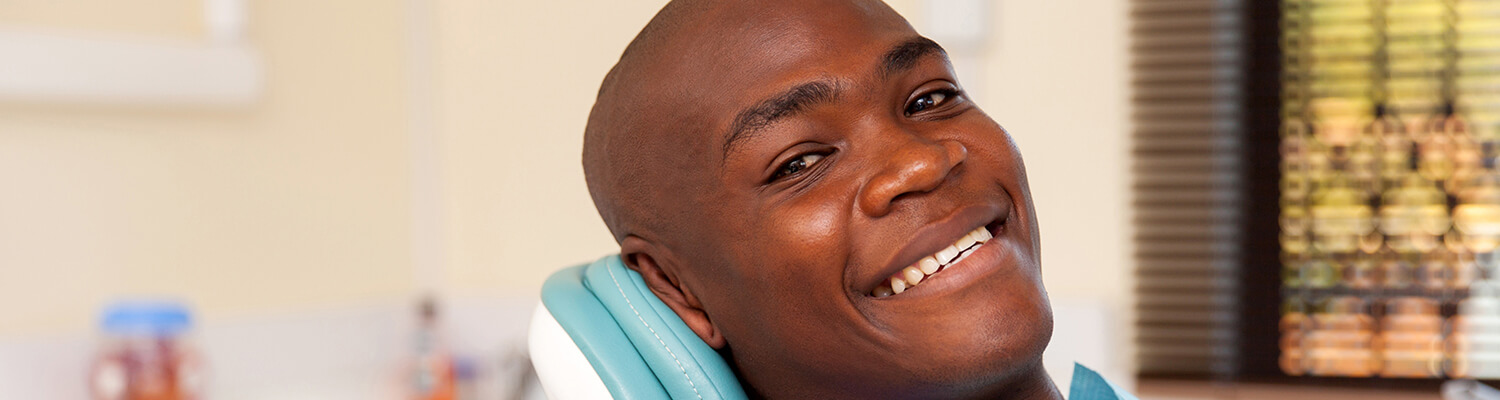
984	344
956	374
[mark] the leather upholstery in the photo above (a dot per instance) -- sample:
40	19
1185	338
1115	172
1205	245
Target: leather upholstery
637	346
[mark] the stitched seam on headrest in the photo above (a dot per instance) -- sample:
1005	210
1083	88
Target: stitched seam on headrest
653	333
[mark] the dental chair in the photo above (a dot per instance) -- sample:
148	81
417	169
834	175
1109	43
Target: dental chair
599	333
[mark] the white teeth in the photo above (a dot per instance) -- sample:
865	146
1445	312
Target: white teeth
928	265
946	256
982	235
912	275
916	273
965	242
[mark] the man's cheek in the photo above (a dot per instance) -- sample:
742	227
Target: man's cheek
809	246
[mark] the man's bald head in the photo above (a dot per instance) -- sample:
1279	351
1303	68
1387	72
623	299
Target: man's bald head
645	123
621	174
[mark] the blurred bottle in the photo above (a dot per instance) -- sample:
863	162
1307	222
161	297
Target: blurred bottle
1297	183
1296	167
1411	338
147	354
1436	270
1341	216
1438	144
1477	216
434	374
1296	239
1414	215
1474	344
1395	146
1466	270
1342	341
1468	162
1362	272
1294	325
1398	271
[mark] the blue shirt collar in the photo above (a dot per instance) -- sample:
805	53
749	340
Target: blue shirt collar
1088	385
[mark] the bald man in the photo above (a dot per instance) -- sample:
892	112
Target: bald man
806	184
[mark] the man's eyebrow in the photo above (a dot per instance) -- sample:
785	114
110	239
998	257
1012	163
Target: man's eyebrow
780	106
899	58
905	55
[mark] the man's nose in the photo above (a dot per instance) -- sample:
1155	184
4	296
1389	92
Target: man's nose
916	166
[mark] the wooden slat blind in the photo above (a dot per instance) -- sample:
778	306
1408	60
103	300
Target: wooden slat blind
1186	68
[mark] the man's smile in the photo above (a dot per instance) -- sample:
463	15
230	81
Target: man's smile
913	275
934	251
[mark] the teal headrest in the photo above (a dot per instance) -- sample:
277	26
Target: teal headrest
638	347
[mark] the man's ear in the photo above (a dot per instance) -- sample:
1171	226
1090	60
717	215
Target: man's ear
659	268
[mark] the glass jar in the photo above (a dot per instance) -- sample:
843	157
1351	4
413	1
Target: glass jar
147	354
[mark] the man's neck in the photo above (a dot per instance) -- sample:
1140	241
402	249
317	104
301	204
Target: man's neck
1031	384
1034	384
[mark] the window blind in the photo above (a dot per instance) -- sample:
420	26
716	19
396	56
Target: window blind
1187	72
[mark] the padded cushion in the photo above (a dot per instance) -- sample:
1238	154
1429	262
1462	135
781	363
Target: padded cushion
560	365
596	334
639	347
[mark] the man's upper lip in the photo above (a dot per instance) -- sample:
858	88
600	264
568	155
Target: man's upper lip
934	237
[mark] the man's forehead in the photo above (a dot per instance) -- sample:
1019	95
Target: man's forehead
714	67
764	39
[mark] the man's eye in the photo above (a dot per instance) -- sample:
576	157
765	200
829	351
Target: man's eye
929	100
796	165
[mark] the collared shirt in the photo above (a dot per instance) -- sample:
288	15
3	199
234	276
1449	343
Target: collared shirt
1088	385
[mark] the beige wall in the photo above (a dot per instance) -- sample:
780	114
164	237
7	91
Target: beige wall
178	18
298	201
1057	80
517	82
408	145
